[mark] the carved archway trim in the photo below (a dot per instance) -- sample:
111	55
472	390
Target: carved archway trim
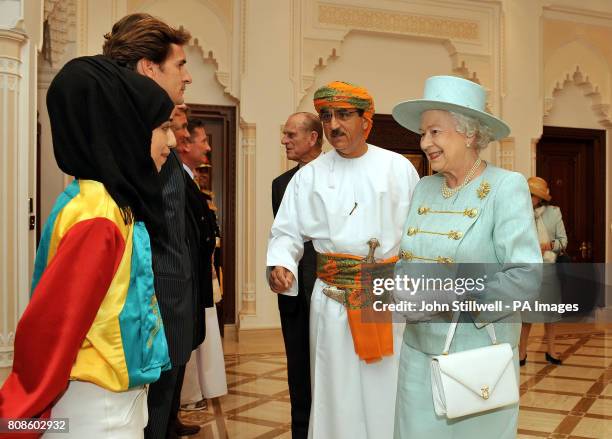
601	109
458	61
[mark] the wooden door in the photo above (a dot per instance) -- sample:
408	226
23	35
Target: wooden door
220	124
572	161
388	134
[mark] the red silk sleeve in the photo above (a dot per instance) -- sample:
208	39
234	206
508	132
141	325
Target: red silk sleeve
58	317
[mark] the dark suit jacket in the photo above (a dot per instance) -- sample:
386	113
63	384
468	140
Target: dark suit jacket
201	231
307	268
172	266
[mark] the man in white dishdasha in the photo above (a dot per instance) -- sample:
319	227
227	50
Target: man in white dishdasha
350	202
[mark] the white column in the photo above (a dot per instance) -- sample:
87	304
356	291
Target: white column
522	83
11	211
20	38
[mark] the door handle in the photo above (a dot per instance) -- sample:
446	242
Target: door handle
589	250
583	249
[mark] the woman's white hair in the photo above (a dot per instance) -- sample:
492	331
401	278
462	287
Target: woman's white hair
472	127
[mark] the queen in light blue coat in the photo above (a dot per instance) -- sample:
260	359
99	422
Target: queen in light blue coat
469	213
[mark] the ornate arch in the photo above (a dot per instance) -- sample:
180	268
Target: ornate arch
601	109
466	35
333	53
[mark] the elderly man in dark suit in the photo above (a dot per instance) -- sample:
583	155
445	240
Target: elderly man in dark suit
302	138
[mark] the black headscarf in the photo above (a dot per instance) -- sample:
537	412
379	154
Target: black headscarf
102	118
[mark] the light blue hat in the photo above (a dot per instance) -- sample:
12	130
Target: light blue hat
449	93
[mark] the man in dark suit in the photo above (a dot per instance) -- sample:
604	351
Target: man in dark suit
200	221
154	49
302	138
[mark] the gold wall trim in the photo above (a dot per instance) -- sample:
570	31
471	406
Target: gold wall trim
372	19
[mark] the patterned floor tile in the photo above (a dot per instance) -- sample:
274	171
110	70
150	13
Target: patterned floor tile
257	367
231	401
245	430
600	352
262	386
601	407
550	401
592	428
583	360
570	401
538	421
275	411
564	385
576	372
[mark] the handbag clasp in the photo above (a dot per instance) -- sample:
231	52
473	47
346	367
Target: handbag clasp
484	392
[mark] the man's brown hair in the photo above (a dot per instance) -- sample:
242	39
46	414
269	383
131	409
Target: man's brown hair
140	35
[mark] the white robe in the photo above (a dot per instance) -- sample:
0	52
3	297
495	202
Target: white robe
340	204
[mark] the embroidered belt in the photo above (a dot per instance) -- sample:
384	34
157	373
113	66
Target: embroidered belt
349	280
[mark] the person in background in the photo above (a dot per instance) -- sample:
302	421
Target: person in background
303	140
553	240
206	367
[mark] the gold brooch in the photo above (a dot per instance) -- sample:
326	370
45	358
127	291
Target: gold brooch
470	212
453	234
483	190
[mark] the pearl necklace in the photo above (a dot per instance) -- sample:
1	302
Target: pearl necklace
448	192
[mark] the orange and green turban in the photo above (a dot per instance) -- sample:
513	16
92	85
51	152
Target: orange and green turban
338	94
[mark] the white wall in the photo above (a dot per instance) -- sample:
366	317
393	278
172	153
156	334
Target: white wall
205	88
393	68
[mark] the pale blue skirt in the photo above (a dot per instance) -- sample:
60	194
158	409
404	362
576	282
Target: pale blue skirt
414	411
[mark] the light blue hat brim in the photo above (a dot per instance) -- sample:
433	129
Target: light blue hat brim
408	115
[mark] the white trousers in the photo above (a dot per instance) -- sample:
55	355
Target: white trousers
350	399
205	371
97	413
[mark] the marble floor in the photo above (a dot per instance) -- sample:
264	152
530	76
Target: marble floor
572	401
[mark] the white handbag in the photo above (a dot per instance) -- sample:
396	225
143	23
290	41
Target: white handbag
473	381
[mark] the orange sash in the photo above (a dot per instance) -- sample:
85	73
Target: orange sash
372	331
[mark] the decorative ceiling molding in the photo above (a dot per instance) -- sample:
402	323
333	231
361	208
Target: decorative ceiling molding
459	62
588	16
589	90
398	22
466	35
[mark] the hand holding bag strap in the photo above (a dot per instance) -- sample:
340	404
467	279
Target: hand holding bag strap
453	327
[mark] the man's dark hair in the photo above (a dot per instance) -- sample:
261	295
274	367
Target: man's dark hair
192	125
140	35
313	123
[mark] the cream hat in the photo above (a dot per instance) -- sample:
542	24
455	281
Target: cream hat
539	188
